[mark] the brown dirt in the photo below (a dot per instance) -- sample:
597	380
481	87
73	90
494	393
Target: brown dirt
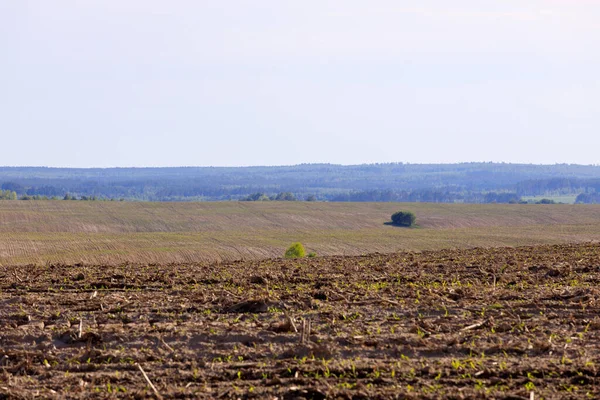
480	323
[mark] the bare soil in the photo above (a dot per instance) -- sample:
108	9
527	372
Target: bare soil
482	323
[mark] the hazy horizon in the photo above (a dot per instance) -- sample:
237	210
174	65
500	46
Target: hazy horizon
299	164
104	83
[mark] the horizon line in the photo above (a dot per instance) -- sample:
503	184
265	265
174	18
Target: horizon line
302	164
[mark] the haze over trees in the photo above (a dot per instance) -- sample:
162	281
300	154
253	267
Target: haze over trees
392	182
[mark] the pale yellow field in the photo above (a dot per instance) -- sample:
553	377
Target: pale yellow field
118	232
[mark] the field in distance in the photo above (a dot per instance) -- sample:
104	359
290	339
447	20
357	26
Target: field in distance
111	233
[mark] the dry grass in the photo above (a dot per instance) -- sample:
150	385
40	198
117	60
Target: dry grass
112	233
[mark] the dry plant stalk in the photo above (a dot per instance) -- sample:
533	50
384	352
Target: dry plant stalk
149	382
305	334
167	345
475	326
291	321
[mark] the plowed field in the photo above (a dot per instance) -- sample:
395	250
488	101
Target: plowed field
502	323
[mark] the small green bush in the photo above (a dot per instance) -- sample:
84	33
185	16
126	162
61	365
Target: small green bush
404	218
312	254
296	250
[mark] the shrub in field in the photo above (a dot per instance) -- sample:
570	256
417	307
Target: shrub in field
312	254
296	250
404	218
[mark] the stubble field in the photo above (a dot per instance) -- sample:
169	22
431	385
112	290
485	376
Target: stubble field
499	323
112	233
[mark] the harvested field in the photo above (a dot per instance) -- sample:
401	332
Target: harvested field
481	323
112	233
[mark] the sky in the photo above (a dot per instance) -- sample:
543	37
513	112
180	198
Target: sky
119	83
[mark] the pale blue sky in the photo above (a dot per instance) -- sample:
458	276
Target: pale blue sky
166	83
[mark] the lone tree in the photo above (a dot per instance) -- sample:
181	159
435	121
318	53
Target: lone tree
296	250
404	218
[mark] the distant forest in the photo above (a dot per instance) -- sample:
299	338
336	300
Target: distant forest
398	182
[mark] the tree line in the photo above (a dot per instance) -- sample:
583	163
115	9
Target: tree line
464	182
